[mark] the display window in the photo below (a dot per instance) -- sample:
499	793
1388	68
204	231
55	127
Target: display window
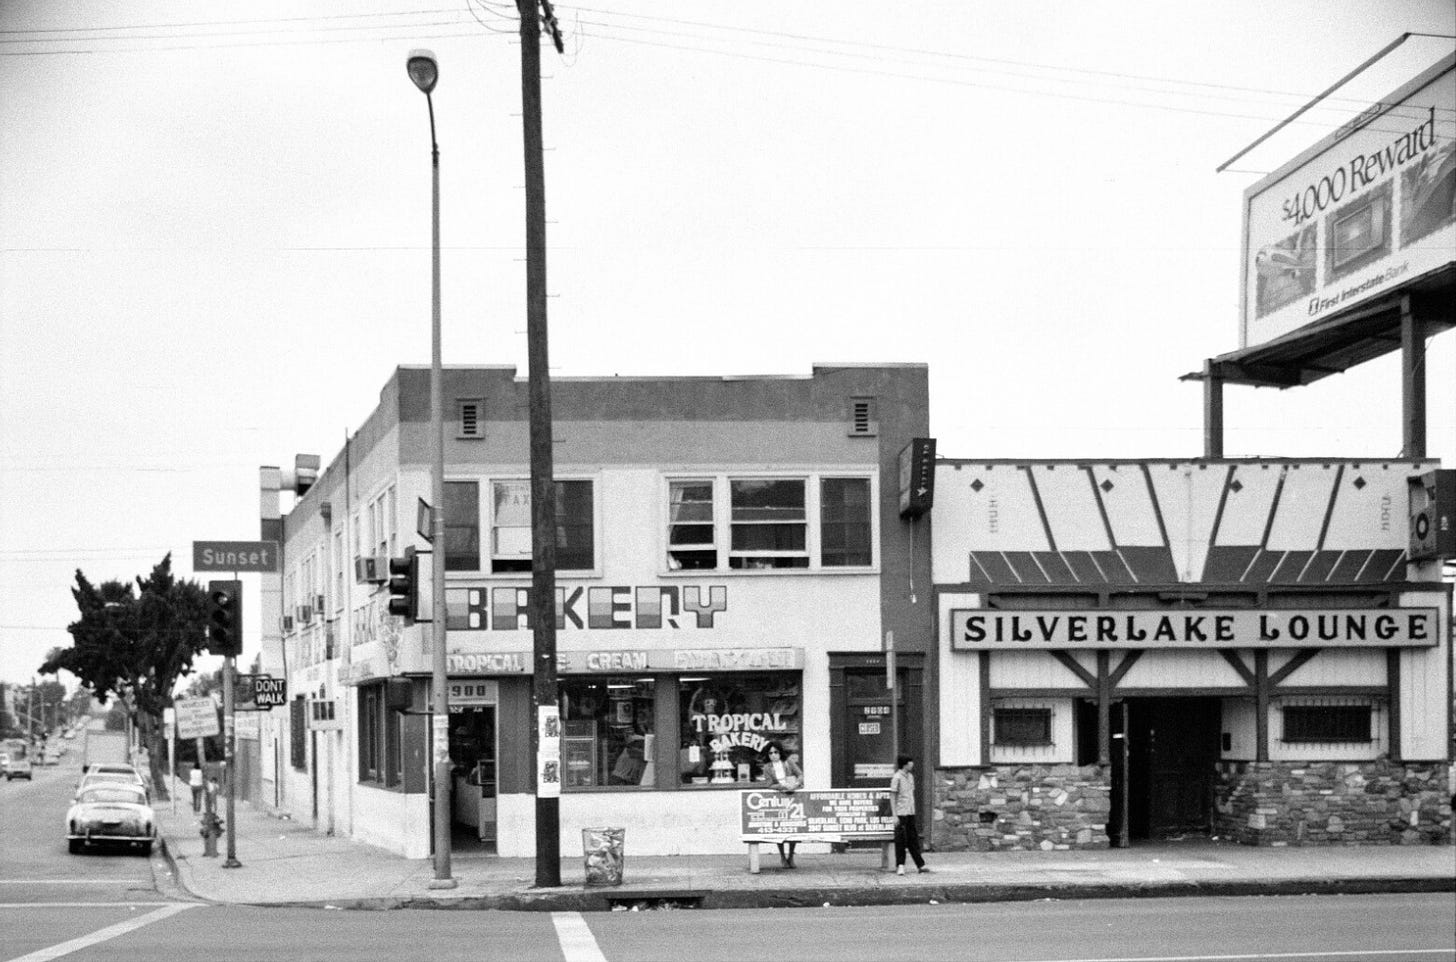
608	730
728	721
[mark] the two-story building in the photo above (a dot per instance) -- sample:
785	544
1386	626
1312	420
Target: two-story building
731	554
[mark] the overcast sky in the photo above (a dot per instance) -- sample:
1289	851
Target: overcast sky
215	230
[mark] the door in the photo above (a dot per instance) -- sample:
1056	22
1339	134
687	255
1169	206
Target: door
869	728
473	762
1172	745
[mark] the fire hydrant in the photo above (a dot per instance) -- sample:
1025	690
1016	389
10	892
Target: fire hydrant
211	829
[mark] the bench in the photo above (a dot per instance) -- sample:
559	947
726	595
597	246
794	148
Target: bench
886	840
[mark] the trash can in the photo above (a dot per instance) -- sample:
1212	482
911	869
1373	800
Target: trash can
602	848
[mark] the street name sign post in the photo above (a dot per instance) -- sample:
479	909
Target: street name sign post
252	556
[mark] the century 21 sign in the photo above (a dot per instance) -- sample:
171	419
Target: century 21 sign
982	630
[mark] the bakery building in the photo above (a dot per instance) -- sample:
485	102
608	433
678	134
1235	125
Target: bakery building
1255	650
730	556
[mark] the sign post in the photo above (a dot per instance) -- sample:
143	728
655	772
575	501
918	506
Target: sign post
169	721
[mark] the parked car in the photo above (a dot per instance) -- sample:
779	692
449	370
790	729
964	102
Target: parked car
111	774
18	768
111	813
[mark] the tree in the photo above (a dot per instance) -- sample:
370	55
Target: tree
135	645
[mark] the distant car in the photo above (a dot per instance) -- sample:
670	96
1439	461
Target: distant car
18	768
111	813
112	775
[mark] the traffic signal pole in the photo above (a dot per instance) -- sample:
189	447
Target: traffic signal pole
229	709
229	716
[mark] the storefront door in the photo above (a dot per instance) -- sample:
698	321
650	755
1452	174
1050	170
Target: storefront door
869	728
1171	748
473	768
863	733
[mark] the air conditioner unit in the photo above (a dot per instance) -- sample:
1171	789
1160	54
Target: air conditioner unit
287	622
371	570
318	604
304	614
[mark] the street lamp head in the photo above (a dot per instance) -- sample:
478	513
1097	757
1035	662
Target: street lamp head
423	69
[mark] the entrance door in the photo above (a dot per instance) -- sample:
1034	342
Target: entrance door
869	728
473	763
1172	745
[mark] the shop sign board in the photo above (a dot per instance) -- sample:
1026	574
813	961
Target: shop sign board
196	717
917	477
1356	216
845	812
979	629
618	660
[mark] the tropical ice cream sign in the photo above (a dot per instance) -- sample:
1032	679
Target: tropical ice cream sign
1369	208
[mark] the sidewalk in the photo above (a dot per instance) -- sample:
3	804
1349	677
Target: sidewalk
288	863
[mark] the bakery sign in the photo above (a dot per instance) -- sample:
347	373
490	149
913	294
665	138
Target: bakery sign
978	629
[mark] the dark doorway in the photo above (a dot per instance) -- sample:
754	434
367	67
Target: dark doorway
473	777
1169	746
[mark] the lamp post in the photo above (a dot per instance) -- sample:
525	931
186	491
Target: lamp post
425	72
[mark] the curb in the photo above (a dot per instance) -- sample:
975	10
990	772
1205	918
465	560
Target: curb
585	901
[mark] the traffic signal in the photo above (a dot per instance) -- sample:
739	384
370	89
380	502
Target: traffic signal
225	617
404	582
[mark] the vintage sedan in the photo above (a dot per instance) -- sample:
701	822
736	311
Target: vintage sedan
111	813
17	768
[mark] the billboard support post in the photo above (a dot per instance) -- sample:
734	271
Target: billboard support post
1212	412
1413	381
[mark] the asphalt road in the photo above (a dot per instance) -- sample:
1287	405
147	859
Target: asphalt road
124	907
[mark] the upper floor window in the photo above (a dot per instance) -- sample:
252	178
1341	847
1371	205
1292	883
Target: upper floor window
462	526
690	541
774	522
844	532
509	535
769	526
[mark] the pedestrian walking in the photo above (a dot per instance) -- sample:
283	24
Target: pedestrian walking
902	795
194	782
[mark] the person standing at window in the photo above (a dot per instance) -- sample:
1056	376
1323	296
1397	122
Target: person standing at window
902	796
783	775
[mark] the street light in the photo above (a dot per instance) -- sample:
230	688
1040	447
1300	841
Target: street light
424	71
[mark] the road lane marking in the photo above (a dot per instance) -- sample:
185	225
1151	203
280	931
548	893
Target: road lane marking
84	905
82	881
1253	956
104	935
577	942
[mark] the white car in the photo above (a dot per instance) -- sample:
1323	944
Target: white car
111	775
111	813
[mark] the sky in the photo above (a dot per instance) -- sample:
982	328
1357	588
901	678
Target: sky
215	231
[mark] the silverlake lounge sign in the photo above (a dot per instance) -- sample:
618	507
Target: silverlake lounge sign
983	630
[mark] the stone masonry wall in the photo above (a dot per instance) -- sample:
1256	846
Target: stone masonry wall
1011	807
1330	803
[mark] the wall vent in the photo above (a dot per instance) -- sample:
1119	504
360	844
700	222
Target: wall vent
472	418
862	419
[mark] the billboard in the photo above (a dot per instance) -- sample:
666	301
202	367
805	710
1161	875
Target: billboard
1367	209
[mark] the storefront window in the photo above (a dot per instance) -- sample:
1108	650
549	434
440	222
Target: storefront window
608	730
728	721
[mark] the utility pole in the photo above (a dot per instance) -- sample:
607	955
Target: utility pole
542	609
